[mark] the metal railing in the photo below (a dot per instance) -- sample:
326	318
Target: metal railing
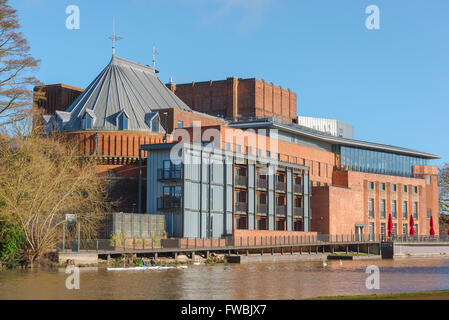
140	244
280	186
168	203
170	174
241	180
241	206
298	212
262	208
297	188
281	210
261	183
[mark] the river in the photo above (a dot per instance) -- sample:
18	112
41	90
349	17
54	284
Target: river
281	280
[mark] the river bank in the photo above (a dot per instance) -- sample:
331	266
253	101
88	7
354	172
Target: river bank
423	295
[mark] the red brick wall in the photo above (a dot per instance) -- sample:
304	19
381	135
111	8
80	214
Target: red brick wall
238	98
55	97
254	237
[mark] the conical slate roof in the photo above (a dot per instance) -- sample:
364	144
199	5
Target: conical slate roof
123	87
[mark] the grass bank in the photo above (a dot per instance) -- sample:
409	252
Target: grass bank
442	294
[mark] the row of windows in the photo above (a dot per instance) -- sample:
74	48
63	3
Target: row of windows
363	160
394	212
394	231
394	187
321	168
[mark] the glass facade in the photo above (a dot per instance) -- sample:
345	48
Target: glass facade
356	159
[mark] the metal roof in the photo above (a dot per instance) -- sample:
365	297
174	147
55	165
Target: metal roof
123	87
317	135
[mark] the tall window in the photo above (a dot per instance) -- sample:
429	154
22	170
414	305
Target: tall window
180	124
416	229
404	210
371	208
395	229
382	186
383	230
238	148
382	208
404	188
393	187
404	229
394	212
415	210
227	146
371	185
428	180
429	213
371	230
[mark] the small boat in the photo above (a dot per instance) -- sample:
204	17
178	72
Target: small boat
148	268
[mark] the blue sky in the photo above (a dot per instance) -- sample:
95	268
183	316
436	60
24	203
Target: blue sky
391	84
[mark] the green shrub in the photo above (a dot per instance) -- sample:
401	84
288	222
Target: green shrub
12	243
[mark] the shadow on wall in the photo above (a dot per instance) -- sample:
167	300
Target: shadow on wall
124	194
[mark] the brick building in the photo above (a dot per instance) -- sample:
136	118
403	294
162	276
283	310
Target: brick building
238	98
354	185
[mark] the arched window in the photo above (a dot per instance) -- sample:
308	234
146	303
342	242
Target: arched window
123	121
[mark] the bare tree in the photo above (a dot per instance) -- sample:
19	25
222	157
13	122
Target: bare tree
41	180
15	65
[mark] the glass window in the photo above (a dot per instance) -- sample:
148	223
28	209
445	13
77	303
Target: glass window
180	124
393	209
415	189
238	148
87	122
382	208
227	146
123	122
404	210
429	213
393	187
415	210
404	188
371	231
371	208
395	229
382	186
383	230
404	229
268	154
371	185
428	179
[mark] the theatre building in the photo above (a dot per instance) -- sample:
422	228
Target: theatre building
258	168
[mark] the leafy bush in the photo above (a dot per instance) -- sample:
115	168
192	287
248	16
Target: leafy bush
11	245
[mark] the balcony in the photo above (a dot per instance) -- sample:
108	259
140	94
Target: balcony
262	183
261	208
241	206
170	174
280	186
297	188
298	212
281	210
169	203
241	181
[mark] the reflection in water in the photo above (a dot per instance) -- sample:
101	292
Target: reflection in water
282	280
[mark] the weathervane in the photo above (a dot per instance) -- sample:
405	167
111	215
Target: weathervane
155	53
114	38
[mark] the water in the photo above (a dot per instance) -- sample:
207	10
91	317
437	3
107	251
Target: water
281	280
